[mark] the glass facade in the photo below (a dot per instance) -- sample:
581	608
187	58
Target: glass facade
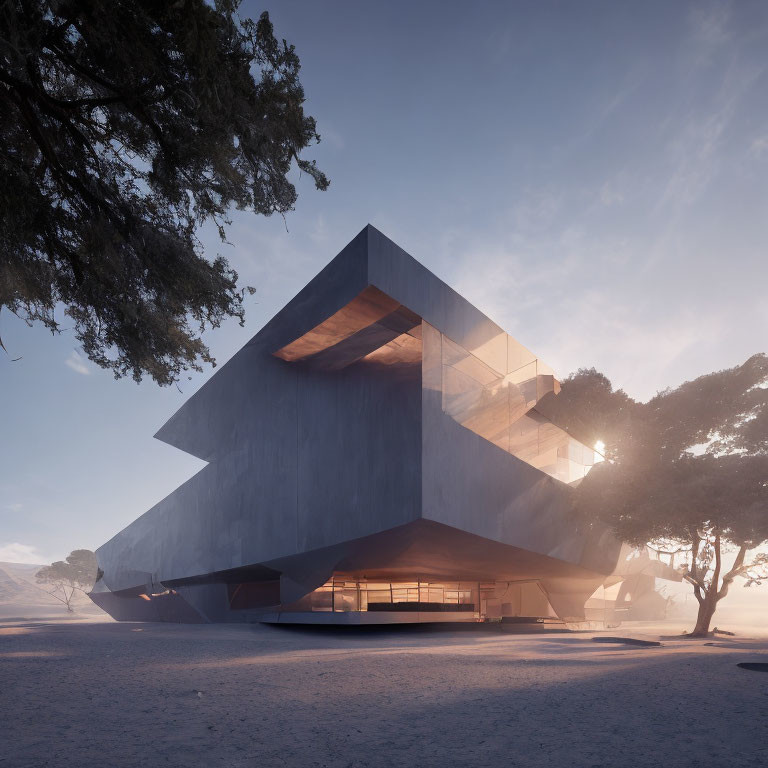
343	594
478	600
493	392
491	387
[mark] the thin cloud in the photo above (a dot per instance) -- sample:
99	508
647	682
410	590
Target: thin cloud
15	552
710	25
759	146
319	231
332	136
77	364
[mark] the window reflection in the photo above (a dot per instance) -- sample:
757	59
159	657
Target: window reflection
495	397
473	599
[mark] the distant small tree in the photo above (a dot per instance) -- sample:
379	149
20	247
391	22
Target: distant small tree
687	474
78	573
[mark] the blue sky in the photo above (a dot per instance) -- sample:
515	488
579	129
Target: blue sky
591	175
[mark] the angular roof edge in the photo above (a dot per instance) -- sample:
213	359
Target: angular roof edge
370	258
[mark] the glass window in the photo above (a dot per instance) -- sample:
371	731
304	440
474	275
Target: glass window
501	408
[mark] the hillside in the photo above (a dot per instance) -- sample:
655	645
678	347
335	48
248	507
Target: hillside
20	596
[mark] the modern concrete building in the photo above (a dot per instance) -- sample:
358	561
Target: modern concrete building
374	455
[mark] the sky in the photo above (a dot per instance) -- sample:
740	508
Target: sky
590	175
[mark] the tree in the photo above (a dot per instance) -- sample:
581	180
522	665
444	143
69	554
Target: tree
590	409
689	475
79	572
125	126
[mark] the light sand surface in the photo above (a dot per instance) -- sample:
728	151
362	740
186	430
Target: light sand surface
116	695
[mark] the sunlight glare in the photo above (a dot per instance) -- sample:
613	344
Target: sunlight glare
600	451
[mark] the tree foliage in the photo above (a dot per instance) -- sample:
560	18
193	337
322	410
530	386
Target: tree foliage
688	472
125	126
590	409
79	572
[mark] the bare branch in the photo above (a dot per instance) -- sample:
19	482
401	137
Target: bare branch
737	568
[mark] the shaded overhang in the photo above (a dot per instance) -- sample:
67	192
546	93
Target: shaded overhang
372	326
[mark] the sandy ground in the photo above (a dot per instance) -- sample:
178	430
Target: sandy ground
118	695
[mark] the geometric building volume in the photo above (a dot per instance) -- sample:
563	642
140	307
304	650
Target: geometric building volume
374	455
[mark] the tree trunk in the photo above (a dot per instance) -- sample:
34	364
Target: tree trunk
704	618
708	601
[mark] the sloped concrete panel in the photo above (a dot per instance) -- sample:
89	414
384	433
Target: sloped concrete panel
331	451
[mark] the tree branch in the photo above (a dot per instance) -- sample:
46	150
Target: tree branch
57	585
695	544
129	101
697	587
737	568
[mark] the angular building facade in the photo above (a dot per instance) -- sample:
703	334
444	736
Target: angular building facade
374	454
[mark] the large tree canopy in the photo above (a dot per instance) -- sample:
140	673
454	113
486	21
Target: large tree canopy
124	126
688	472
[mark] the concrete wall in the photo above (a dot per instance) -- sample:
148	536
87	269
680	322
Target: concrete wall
302	461
299	459
469	483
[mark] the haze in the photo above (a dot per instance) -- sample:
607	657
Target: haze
604	205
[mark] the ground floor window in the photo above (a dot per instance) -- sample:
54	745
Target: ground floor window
485	599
